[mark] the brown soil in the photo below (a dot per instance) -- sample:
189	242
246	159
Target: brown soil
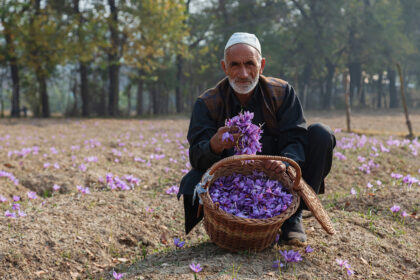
69	235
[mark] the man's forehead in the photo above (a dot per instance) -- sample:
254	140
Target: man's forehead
240	52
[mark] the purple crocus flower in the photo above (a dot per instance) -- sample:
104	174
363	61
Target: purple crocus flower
21	213
404	214
2	199
341	262
395	209
278	264
178	243
227	136
16	198
16	206
10	214
353	191
196	267
117	276
32	195
291	256
172	190
309	249
56	187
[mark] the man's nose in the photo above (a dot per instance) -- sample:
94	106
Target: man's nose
243	73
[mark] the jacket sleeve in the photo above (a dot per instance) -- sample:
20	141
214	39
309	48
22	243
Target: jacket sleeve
200	131
292	125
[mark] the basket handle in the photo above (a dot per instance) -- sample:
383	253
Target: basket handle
296	183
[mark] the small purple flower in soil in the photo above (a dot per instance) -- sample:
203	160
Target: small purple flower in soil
396	175
353	191
196	267
172	190
56	187
21	213
82	167
10	214
350	272
378	182
178	243
341	262
117	276
16	206
395	209
16	198
369	185
291	256
32	195
2	199
277	264
277	238
309	249
404	214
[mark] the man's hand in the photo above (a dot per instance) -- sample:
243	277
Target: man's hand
221	141
276	165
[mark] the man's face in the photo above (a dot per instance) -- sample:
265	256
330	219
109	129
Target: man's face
243	67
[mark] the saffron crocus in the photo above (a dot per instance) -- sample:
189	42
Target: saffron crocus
227	136
172	190
2	199
309	249
353	191
278	264
196	267
117	276
32	195
16	206
395	209
16	198
404	214
341	262
291	256
10	214
56	187
21	213
178	243
369	185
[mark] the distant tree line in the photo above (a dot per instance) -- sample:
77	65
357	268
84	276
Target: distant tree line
125	57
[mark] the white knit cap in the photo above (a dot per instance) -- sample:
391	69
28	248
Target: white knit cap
244	38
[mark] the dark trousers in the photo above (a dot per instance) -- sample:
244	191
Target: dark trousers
318	160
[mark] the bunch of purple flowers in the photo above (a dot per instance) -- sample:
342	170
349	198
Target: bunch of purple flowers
250	196
249	141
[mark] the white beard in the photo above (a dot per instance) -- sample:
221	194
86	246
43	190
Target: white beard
244	89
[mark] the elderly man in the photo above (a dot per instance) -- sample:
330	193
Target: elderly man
274	104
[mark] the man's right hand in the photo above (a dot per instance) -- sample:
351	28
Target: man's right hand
218	144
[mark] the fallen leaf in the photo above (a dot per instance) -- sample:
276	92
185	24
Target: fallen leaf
39	273
123	260
163	239
8	165
364	261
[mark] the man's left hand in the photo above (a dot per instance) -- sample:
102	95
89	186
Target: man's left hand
276	165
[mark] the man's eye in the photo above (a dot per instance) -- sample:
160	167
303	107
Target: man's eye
250	63
234	64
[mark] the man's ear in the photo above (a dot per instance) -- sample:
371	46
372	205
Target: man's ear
222	63
262	65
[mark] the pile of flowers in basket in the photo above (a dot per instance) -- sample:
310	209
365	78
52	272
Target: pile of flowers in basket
252	196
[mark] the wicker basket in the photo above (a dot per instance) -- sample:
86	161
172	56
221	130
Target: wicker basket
235	233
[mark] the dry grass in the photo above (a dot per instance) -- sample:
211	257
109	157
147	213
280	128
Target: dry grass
72	235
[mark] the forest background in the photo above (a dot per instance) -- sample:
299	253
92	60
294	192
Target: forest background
120	58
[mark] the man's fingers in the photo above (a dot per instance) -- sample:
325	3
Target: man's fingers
280	168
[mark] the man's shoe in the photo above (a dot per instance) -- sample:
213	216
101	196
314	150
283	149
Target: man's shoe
292	230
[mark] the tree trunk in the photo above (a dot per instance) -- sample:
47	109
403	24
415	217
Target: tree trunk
179	78
326	104
84	91
13	70
128	94
113	60
154	98
43	93
379	89
393	98
82	65
355	70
